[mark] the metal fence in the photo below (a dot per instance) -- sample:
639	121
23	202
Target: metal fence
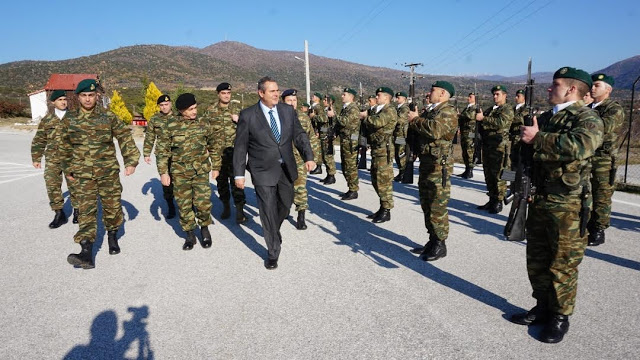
629	152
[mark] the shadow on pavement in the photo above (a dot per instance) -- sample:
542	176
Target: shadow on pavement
103	343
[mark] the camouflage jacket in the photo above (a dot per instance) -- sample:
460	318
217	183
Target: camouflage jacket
320	120
612	116
403	121
305	122
563	148
154	128
467	119
380	125
223	124
47	139
191	145
349	121
436	129
518	120
88	150
495	125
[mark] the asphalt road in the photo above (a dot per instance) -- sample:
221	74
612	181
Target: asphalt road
345	288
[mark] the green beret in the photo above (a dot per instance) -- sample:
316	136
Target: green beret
499	88
573	73
401	93
371	97
520	91
56	94
384	89
163	98
319	95
603	77
333	98
350	91
445	85
304	104
86	85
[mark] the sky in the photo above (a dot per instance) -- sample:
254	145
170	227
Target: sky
455	37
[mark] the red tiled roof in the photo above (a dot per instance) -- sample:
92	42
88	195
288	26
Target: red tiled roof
67	82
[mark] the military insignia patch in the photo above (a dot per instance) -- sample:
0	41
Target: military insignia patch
166	98
92	87
564	70
499	87
600	77
379	89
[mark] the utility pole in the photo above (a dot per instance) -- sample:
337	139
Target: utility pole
412	79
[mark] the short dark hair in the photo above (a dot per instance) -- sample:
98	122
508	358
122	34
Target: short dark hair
581	86
262	81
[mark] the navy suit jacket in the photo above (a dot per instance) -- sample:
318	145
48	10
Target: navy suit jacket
255	139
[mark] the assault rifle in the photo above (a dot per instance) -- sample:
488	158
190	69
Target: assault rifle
331	131
412	143
477	138
522	187
362	139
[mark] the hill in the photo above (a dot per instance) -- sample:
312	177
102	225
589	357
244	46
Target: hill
624	72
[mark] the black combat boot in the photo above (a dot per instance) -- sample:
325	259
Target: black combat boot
330	179
464	174
434	252
190	241
555	329
469	174
206	237
537	315
398	177
596	238
84	259
350	195
75	215
59	219
112	239
317	170
496	207
423	249
300	224
226	211
373	215
171	212
241	218
384	215
486	206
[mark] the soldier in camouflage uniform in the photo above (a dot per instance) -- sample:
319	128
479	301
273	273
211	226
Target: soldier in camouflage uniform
467	122
495	147
321	120
190	141
90	164
348	127
153	131
314	140
436	129
603	173
564	140
379	126
519	111
47	142
400	133
224	118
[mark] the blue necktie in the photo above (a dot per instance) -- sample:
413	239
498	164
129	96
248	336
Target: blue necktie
274	126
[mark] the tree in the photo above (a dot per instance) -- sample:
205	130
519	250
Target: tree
150	101
119	108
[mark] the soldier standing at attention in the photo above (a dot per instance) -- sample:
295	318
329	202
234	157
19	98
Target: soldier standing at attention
224	119
467	122
321	120
47	142
519	112
154	129
495	147
348	124
90	164
372	103
603	173
563	144
379	126
436	129
400	133
190	141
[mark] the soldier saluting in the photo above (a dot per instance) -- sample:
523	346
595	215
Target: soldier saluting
348	125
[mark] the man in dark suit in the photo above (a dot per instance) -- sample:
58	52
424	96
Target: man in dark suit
267	132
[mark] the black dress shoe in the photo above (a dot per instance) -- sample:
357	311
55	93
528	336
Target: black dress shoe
597	238
398	177
241	218
58	219
75	215
486	206
330	179
371	216
317	170
464	174
384	215
496	208
226	210
112	239
469	173
190	241
437	251
206	237
536	315
271	264
350	195
84	259
300	223
555	329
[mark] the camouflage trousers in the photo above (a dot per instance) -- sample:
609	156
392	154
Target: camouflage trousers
193	191
300	198
316	148
602	193
109	189
400	157
466	143
554	250
226	180
53	182
382	173
434	197
493	162
348	161
327	159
